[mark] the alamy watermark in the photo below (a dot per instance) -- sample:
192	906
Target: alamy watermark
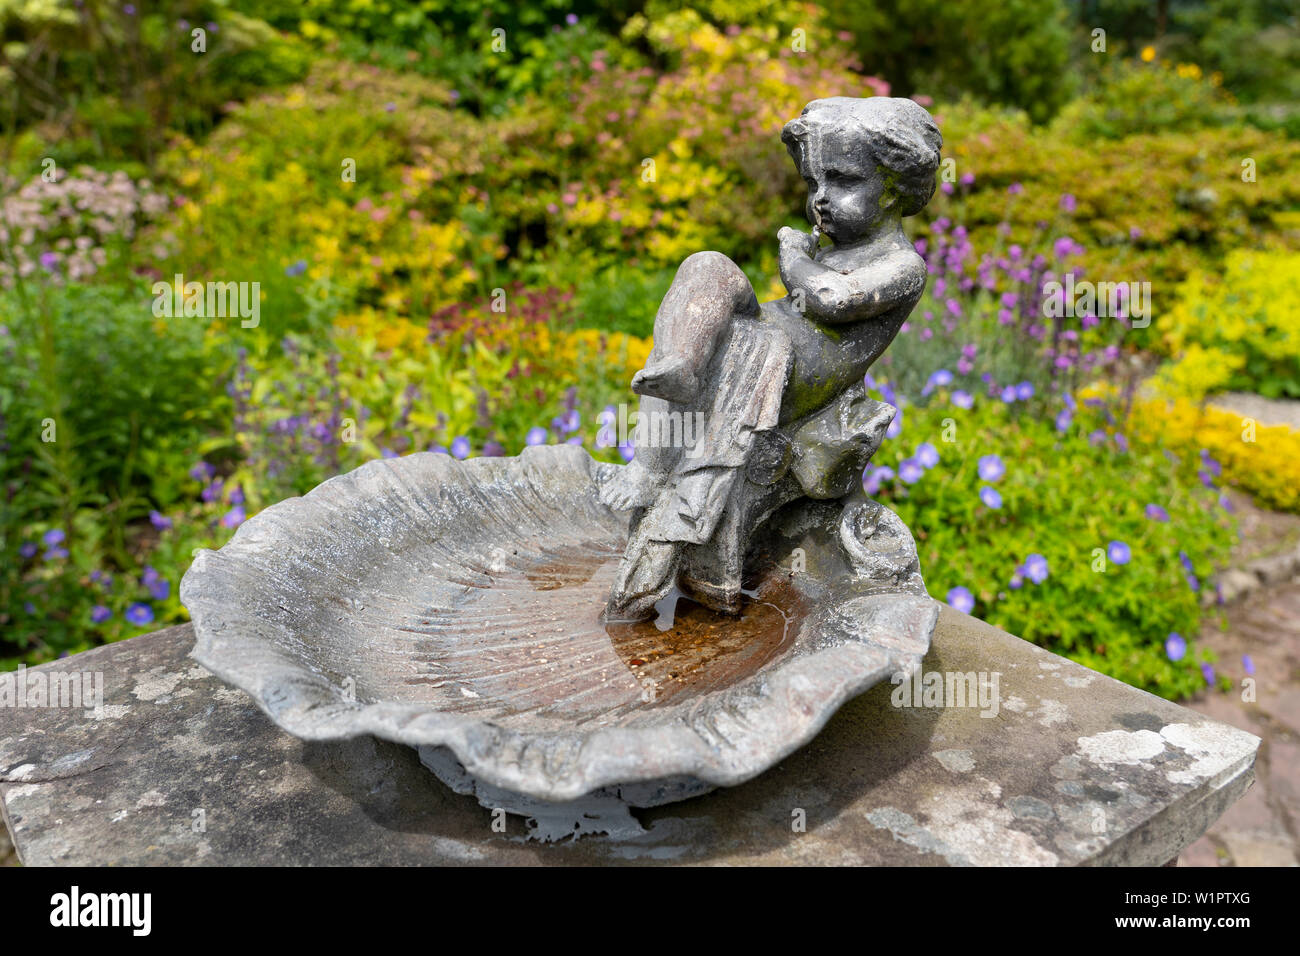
654	429
948	689
208	300
1102	299
42	688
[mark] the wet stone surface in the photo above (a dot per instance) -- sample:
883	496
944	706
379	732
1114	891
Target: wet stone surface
1068	767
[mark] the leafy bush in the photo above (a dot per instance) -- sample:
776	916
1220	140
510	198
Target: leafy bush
1131	97
1012	52
1243	322
1009	525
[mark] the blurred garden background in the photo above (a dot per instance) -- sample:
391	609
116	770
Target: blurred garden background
461	218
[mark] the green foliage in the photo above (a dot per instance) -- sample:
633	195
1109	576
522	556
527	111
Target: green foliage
1130	97
1013	52
1108	616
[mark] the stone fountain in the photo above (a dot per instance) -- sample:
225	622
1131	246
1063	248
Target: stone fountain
566	639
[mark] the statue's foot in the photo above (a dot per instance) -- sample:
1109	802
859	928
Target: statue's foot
628	487
672	380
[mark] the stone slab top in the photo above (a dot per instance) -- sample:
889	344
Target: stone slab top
1049	764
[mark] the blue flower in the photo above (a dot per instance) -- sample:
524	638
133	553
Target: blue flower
873	477
1063	420
961	600
963	399
1156	513
536	436
927	455
159	520
1025	391
139	614
627	451
234	517
54	536
27	549
297	268
1119	552
1207	672
460	447
910	471
1009	394
99	614
1175	646
991	468
1036	568
1248	663
989	495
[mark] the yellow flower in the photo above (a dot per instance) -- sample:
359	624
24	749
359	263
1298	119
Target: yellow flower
1148	54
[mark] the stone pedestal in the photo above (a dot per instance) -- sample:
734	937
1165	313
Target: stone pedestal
1048	764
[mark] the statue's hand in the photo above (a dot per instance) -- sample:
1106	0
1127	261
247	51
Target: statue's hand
794	242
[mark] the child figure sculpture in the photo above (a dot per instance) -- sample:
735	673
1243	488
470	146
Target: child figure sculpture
780	385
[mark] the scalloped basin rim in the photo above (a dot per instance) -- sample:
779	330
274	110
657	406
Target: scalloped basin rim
271	617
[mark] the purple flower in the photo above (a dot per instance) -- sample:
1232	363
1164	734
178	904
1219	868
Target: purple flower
570	421
927	455
1036	568
159	520
1063	420
237	495
27	549
896	426
234	517
1009	394
460	447
963	399
390	107
1175	646
54	536
872	478
536	436
627	451
202	471
1226	504
1015	189
1121	442
991	468
99	614
571	19
1025	391
139	614
961	600
989	495
939	379
1248	663
49	261
493	449
910	471
1069	203
296	268
1119	552
1207	672
159	588
1186	562
58	551
1156	513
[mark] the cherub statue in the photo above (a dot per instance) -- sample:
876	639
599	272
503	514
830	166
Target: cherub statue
780	385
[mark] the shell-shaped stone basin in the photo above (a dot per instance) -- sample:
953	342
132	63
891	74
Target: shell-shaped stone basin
457	604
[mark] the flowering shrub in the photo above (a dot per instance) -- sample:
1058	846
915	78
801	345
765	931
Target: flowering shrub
66	228
1192	207
1009	526
1261	459
1243	323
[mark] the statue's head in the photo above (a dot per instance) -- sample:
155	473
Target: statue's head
863	160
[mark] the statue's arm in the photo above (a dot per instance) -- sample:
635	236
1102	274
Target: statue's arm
835	297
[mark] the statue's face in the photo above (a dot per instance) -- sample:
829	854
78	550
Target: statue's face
845	186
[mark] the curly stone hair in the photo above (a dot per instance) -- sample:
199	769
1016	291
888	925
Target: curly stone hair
900	133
